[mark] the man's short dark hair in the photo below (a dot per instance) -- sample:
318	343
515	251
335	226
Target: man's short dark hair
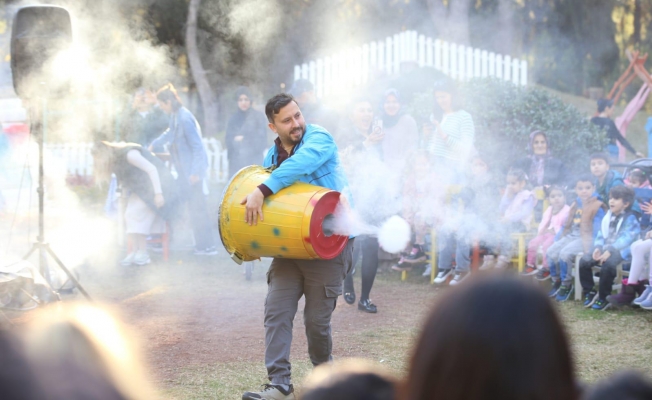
601	156
585	178
604	103
275	104
624	193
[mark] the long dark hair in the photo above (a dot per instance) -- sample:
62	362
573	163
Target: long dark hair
169	93
450	87
495	338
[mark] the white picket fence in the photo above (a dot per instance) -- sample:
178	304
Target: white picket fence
76	159
359	65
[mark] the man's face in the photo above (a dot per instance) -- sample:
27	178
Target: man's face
289	124
599	167
362	116
584	189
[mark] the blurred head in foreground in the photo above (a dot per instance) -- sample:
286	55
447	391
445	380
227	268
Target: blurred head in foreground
84	353
494	338
349	380
628	385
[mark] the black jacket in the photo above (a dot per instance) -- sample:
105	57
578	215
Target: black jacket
553	170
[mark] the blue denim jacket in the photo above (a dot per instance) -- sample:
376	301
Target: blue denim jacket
315	160
186	148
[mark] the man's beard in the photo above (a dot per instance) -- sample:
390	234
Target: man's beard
300	129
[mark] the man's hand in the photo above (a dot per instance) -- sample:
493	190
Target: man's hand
159	201
193	179
596	254
253	206
604	256
640	155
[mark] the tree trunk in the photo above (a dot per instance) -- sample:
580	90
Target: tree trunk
636	36
452	20
505	35
206	95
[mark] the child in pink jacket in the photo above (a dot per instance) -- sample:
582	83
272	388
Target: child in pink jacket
551	223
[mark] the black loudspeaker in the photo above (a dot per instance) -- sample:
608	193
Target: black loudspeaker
37	35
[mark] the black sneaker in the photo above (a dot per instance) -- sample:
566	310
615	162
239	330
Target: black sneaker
367	306
588	298
416	255
543	274
555	288
270	392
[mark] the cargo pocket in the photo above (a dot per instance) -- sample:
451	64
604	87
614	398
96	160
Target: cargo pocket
333	291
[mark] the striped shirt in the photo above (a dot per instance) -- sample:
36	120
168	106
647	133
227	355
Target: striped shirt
459	143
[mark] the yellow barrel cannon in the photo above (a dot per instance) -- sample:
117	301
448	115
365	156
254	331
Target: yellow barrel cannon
293	225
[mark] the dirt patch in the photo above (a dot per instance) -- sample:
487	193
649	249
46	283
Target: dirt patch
208	313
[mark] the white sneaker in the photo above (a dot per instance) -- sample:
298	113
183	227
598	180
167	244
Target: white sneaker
488	262
142	258
127	261
442	275
459	277
427	271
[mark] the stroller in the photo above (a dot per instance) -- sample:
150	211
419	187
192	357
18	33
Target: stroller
644	195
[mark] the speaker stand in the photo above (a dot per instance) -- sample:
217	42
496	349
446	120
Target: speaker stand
44	249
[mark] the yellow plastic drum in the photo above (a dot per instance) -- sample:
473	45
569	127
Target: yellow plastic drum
293	221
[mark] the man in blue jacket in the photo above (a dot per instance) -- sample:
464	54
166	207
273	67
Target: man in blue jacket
307	154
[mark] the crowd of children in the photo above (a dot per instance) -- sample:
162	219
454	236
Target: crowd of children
597	236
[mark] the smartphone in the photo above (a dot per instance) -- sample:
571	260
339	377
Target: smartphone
377	126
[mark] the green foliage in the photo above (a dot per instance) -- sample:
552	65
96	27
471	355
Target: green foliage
505	114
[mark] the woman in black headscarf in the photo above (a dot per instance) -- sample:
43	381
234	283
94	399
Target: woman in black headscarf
246	134
400	132
542	168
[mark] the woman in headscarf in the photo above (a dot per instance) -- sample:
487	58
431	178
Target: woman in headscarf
246	134
400	132
542	169
359	140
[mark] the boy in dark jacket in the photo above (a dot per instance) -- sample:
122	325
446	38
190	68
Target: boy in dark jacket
619	229
606	178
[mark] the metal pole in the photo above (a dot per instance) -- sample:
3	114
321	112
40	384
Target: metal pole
40	133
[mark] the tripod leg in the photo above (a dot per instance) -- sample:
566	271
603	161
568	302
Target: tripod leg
70	275
30	252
